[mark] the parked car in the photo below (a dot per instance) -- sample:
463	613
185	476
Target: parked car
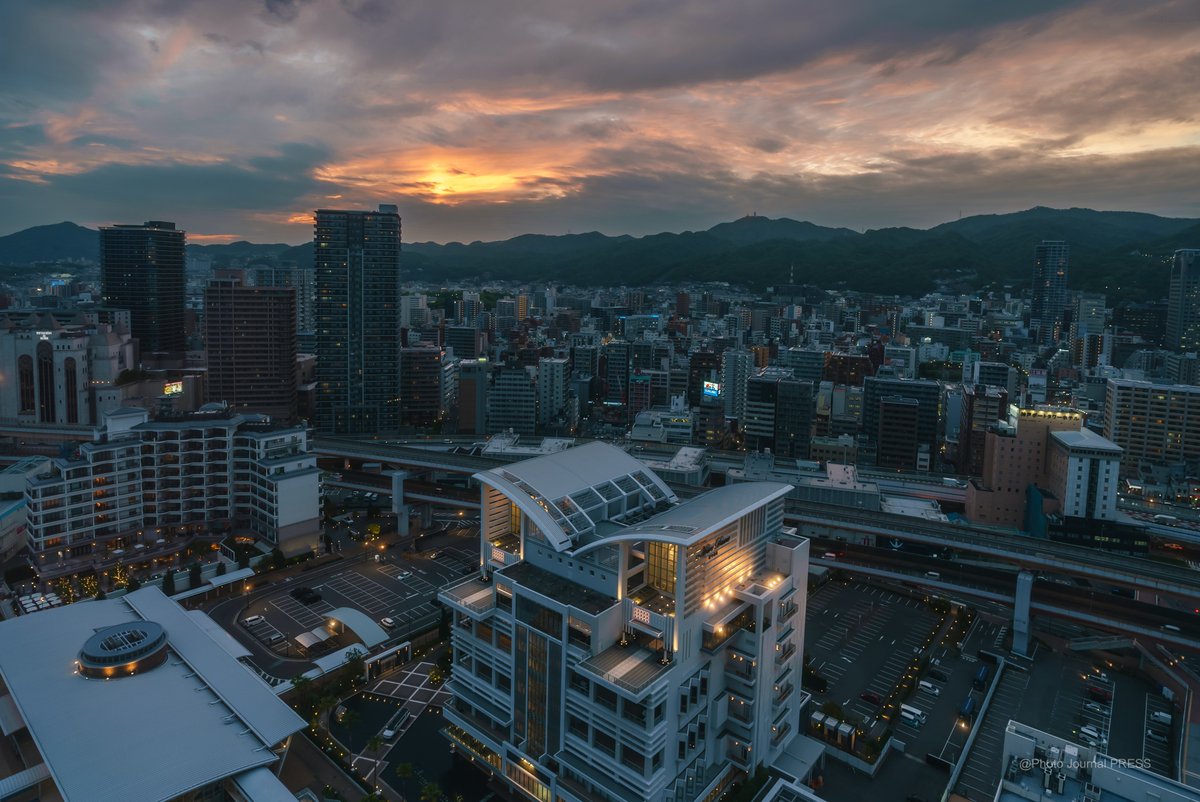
939	675
387	623
1099	694
252	621
306	595
871	696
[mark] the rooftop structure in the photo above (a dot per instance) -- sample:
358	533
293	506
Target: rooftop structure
191	718
1038	765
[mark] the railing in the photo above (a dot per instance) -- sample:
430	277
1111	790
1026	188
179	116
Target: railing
787	612
785	653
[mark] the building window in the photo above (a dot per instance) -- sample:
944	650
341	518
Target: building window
25	379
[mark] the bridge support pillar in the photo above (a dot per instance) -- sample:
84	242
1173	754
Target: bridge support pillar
399	508
1021	622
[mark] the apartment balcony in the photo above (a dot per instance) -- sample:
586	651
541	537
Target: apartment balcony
787	612
785	654
780	733
739	755
472	596
464	716
632	668
783	692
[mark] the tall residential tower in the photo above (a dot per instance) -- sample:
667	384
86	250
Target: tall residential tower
356	261
1049	290
142	270
1183	301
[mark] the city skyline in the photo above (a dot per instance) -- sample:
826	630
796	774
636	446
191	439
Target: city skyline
487	123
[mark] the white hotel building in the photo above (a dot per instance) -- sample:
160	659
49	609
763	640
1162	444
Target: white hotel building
620	644
205	469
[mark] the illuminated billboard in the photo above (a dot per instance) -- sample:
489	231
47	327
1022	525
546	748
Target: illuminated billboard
173	388
712	389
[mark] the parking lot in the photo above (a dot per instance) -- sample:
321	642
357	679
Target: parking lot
863	639
402	589
1053	696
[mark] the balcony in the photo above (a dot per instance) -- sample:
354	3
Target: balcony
632	668
785	654
471	595
781	732
783	692
787	612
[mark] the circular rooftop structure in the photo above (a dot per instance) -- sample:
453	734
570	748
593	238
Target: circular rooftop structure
123	650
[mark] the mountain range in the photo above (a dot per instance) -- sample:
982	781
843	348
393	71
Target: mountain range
1125	254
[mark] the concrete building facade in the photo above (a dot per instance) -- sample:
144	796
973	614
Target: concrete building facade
620	645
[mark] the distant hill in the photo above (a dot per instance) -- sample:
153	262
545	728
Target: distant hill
1121	253
53	243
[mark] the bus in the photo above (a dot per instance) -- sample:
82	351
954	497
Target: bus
981	677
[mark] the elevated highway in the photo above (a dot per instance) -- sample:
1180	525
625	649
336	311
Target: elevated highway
859	526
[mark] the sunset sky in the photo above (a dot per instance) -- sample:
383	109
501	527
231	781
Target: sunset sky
490	118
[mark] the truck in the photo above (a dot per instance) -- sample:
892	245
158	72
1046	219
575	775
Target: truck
981	677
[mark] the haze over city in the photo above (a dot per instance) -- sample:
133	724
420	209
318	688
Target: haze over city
483	121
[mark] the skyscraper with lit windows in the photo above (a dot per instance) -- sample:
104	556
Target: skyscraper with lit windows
356	262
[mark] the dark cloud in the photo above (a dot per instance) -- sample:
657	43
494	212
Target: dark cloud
486	119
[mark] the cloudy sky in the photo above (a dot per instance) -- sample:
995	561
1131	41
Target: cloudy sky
483	119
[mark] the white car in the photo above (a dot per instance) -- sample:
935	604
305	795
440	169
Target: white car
253	620
387	623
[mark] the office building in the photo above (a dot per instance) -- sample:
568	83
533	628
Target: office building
1014	461
896	441
356	262
211	469
552	390
982	406
1050	263
61	374
703	366
619	644
1183	301
996	374
617	358
142	270
737	366
474	391
927	394
422	390
1081	472
298	278
127	662
512	404
250	342
467	342
1154	424
779	413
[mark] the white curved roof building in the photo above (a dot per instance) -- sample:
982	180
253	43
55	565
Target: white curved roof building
620	643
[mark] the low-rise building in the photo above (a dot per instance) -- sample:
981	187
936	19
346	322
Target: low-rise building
209	469
194	723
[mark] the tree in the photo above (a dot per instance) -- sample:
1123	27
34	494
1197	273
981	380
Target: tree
374	745
431	792
221	568
168	585
133	584
243	558
277	558
100	595
194	578
404	771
